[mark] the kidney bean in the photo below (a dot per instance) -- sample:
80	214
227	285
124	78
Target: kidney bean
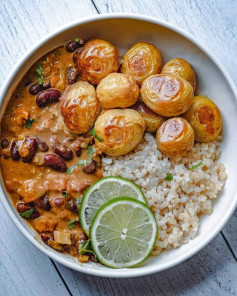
46	85
72	205
4	143
14	151
78	152
55	162
63	151
73	45
35	89
34	215
45	237
47	96
82	238
90	168
93	258
72	75
30	145
42	145
43	203
22	207
58	201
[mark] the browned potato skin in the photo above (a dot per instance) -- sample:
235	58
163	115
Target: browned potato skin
117	90
120	130
205	118
79	107
95	60
180	68
141	60
167	95
153	121
175	137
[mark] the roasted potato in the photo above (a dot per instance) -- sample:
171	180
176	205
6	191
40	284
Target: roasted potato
167	95
117	90
120	131
153	121
205	119
141	60
180	68
175	137
95	60
79	107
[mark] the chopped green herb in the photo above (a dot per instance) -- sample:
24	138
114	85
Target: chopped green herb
39	74
90	151
77	39
93	133
71	224
64	193
29	122
71	169
81	162
169	177
196	166
85	247
27	213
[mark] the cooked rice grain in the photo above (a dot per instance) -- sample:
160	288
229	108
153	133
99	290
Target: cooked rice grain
177	204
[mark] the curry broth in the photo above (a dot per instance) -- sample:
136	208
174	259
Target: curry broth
27	182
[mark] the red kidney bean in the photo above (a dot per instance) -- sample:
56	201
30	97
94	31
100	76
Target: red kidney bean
63	151
55	162
72	75
93	258
82	238
14	151
4	143
45	236
35	89
73	45
58	201
34	215
78	152
22	207
90	168
30	145
42	146
46	85
43	203
72	205
47	96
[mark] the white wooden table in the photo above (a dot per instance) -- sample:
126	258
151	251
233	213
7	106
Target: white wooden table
24	270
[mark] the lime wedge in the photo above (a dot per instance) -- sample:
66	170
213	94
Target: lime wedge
123	232
102	191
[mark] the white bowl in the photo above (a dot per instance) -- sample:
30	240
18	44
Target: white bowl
123	30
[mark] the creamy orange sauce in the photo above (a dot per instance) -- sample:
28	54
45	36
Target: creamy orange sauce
29	181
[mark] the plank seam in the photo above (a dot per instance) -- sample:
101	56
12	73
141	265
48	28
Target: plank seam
96	7
228	245
61	277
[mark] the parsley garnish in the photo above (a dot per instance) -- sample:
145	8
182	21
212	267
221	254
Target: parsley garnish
29	122
196	166
93	133
90	151
64	193
27	213
85	247
169	177
71	169
76	39
71	224
81	162
39	74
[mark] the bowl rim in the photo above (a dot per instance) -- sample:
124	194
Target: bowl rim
122	273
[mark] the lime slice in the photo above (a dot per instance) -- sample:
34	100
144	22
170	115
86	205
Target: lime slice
123	232
102	191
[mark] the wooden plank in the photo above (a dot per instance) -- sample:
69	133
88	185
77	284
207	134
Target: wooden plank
24	270
211	272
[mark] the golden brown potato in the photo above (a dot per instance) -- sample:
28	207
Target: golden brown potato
205	119
180	68
153	121
79	107
167	95
117	90
141	60
95	60
175	137
120	130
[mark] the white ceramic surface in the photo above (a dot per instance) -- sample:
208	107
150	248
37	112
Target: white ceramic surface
123	30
